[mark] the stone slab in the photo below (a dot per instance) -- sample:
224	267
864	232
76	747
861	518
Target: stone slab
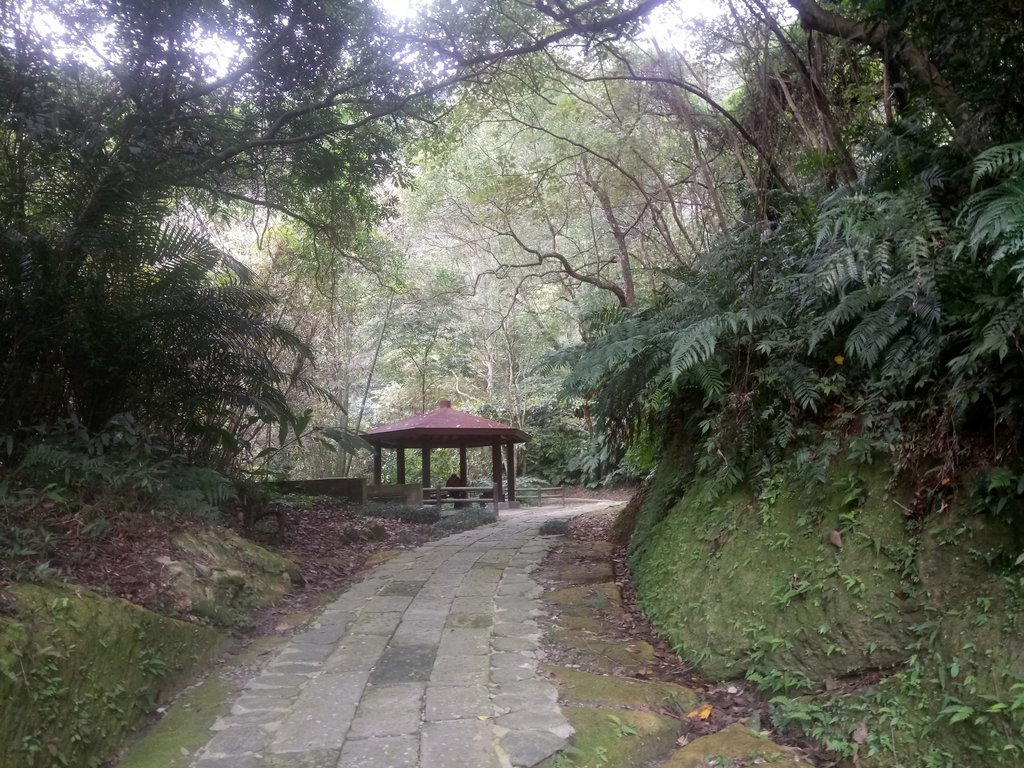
317	758
241	740
464	642
376	624
458	744
356	652
404	664
465	670
526	749
401	587
391	710
322	714
384	752
457	702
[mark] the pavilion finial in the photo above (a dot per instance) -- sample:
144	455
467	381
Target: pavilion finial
444	403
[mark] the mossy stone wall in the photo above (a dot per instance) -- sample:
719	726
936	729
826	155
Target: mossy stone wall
79	671
735	579
808	585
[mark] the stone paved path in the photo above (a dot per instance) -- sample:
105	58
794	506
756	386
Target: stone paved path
430	662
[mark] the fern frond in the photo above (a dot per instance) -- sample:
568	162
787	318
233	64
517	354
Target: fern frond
1003	332
710	376
695	344
996	218
998	161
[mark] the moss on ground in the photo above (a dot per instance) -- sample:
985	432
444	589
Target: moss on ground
79	671
173	741
616	738
585	601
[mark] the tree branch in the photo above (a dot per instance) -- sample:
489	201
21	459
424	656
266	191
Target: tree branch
879	36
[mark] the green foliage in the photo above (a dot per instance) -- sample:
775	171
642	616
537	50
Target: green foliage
895	308
557	438
118	160
153	321
65	472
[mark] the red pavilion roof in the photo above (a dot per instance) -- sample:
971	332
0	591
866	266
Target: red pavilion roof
444	427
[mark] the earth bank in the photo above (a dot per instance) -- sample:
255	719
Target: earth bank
894	640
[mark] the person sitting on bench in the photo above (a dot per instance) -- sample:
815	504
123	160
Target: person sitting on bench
456	482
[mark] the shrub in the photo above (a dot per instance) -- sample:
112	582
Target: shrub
465	520
554	527
401	512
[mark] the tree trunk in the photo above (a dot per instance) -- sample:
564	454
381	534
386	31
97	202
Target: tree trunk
880	37
619	235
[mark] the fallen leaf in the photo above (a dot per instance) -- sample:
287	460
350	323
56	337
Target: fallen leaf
483	717
682	741
860	735
836	538
701	713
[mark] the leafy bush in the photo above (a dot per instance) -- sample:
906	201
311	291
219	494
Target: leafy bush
895	311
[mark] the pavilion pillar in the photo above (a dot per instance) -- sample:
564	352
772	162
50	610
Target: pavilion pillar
463	465
377	463
400	466
510	462
496	470
425	452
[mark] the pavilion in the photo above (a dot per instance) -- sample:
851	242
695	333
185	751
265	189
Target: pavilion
446	427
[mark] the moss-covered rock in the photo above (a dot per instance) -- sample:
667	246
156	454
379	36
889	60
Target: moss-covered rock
586	688
78	671
734	747
222	577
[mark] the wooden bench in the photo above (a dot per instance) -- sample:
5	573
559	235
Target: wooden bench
539	496
460	496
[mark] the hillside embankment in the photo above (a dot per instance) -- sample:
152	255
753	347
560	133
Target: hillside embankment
888	630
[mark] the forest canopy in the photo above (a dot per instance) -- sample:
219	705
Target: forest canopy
244	225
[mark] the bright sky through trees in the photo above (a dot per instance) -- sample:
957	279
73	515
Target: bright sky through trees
663	25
